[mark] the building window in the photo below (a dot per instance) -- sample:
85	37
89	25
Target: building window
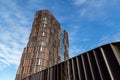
44	25
39	68
39	61
45	22
43	34
44	18
33	43
41	48
41	54
43	43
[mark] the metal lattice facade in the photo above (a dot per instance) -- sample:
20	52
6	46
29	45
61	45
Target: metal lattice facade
101	63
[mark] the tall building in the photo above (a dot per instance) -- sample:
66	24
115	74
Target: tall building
101	63
48	45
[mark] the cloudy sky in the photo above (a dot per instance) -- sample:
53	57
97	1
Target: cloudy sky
90	23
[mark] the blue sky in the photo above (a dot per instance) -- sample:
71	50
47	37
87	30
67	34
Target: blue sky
90	23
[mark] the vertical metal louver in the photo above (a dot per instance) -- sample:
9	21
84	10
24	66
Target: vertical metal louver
101	63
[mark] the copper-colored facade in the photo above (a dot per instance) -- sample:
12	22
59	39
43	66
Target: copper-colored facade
47	46
101	63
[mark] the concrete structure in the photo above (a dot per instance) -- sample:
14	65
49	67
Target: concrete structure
101	63
48	45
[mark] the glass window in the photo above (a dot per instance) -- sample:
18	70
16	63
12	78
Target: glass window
39	61
44	18
45	22
62	46
41	55
43	43
33	43
39	68
44	25
43	34
41	48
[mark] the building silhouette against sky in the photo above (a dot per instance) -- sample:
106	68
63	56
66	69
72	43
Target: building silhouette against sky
48	45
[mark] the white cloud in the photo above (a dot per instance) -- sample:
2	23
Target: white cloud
109	38
75	50
73	29
3	66
94	9
11	46
14	34
77	33
12	10
79	2
35	5
75	39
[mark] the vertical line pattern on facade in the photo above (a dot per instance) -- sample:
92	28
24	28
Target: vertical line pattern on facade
86	78
78	67
74	78
75	69
92	65
61	77
116	53
51	73
96	59
57	72
68	70
107	63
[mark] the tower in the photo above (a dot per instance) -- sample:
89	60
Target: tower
48	45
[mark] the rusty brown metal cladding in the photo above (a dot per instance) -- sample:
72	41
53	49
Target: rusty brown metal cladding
44	46
101	63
